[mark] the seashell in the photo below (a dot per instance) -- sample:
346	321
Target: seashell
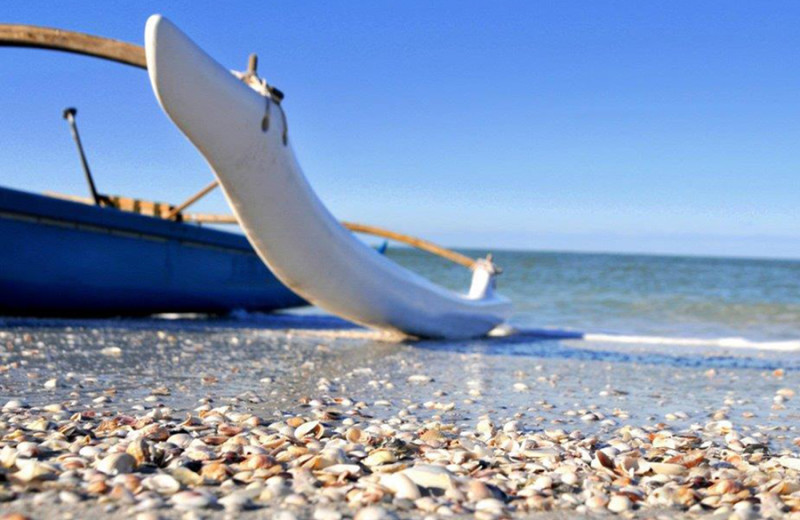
8	456
485	427
785	487
542	483
215	471
598	501
693	459
628	465
253	450
490	505
357	436
191	423
309	461
232	446
294	422
379	457
32	470
601	460
211	417
155	432
16	435
28	450
163	484
197	454
186	476
55	445
374	513
140	423
14	405
187	500
724	487
97	487
243	476
214	440
389	468
790	463
237	501
685	496
662	441
72	462
332	455
426	475
478	490
619	503
419	379
116	463
251	421
229	430
570	478
39	425
542	453
325	513
257	461
719	427
139	450
121	494
663	468
311	429
401	486
181	440
433	438
129	481
633	493
343	470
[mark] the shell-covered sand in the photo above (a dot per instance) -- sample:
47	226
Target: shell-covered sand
293	418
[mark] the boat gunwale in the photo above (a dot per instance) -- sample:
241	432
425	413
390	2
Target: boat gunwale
20	204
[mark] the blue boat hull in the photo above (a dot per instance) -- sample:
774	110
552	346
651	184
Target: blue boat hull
62	258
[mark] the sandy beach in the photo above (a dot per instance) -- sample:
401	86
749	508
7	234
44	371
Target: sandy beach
311	417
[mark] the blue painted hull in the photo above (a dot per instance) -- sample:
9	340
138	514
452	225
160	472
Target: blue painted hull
62	258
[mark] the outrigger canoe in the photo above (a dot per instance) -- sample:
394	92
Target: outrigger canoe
237	123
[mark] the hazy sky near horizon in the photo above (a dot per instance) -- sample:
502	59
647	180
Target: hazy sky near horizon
661	127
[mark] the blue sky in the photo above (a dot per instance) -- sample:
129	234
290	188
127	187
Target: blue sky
666	127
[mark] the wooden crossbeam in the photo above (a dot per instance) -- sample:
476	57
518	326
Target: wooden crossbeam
16	35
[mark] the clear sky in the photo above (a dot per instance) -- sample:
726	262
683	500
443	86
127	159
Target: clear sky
603	126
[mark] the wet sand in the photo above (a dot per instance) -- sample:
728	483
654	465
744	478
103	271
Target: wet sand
521	426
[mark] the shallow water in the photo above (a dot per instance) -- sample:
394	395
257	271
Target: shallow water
651	296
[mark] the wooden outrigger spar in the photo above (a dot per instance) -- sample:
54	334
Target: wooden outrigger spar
17	35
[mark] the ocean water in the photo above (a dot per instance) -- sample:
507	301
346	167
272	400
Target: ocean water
638	299
687	311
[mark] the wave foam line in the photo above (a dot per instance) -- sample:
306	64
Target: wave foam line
785	346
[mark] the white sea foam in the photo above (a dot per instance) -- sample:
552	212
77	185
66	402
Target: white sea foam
785	346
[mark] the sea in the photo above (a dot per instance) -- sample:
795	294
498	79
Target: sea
674	310
646	300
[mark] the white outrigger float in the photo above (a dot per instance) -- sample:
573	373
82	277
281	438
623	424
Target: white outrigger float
237	123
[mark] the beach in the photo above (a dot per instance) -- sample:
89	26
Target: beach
616	332
308	416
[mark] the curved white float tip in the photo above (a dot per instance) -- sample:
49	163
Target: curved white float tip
290	228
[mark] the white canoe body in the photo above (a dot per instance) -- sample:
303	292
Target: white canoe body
290	228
